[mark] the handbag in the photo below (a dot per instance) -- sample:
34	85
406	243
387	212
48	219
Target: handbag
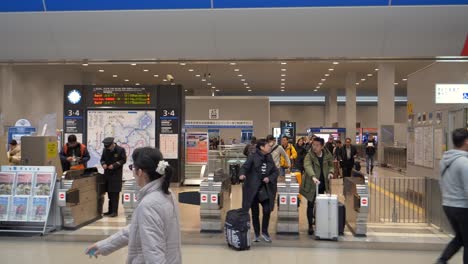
263	193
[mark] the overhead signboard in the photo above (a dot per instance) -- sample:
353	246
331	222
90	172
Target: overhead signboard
451	93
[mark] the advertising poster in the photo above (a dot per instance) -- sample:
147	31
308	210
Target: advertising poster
43	183
24	183
38	211
7	180
197	147
4	203
19	208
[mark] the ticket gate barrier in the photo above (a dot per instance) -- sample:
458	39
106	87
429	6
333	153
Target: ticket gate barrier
357	204
81	197
214	203
129	198
288	206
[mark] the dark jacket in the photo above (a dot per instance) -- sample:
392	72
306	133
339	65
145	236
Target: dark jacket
79	150
345	161
301	153
371	150
250	149
252	169
117	158
329	146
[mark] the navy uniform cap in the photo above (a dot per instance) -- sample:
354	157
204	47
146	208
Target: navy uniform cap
108	140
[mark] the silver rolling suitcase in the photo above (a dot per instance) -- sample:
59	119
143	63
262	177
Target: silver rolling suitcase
326	216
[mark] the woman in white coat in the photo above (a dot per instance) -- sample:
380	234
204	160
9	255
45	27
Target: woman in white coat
153	235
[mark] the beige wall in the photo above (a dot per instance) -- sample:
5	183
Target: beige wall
256	109
307	116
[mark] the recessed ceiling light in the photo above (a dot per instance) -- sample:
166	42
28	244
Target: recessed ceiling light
240	75
190	70
370	75
320	83
395	83
137	83
318	87
236	70
101	70
186	90
133	64
242	80
283	69
115	76
376	69
203	80
246	83
213	87
208	84
284	63
331	69
357	83
198	75
127	80
217	90
146	70
282	90
248	87
323	80
363	79
156	75
283	75
283	83
315	90
232	63
283	80
85	64
172	83
165	80
404	80
249	90
183	64
336	63
326	75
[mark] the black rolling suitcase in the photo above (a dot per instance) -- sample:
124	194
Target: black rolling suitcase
341	218
237	229
234	170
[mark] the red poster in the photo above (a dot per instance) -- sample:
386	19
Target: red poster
197	147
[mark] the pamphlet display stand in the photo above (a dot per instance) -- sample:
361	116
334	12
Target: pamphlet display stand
26	196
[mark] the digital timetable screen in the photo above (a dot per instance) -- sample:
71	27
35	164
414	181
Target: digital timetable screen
121	96
451	94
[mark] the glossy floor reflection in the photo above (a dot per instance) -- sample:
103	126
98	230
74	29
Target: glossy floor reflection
39	252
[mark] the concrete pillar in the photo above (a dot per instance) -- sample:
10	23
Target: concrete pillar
331	109
386	103
350	115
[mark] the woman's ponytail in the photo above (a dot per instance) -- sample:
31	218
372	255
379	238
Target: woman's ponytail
167	179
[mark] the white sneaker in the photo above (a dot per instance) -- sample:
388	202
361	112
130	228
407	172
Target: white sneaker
266	238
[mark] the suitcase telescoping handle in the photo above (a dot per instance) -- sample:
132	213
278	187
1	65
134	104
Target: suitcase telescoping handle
317	190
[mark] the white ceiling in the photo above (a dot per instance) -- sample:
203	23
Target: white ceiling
262	77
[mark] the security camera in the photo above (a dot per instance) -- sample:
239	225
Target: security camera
170	78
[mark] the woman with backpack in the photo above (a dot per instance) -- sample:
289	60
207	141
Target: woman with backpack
260	175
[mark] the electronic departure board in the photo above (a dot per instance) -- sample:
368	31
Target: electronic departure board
122	97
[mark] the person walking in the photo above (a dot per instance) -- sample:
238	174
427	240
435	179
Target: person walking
112	160
260	175
74	155
153	235
292	154
277	152
454	188
301	153
371	149
348	156
318	165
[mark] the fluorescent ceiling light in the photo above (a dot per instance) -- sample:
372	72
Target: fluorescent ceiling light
370	75
363	79
284	63
101	70
283	75
326	75
146	70
85	64
240	75
321	99
336	63
323	80
115	76
156	75
236	70
331	69
283	80
283	70
133	64
198	75
183	64
127	80
190	70
405	80
248	87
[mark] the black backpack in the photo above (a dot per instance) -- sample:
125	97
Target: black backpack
237	229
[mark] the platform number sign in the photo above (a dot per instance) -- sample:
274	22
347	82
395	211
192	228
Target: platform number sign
168	112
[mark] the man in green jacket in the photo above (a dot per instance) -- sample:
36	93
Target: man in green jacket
318	166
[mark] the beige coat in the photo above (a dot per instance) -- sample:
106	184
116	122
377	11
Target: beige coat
153	235
14	156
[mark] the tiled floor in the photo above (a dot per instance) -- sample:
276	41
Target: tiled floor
40	252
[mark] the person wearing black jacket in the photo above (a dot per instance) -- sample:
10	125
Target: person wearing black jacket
371	147
348	155
260	174
301	153
330	145
112	160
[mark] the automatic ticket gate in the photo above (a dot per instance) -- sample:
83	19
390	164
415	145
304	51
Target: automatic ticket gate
214	202
129	198
288	206
80	197
357	204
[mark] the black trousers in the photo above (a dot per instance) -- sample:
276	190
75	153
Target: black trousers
347	170
310	209
458	218
113	202
256	215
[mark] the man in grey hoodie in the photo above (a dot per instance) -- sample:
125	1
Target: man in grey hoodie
454	187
